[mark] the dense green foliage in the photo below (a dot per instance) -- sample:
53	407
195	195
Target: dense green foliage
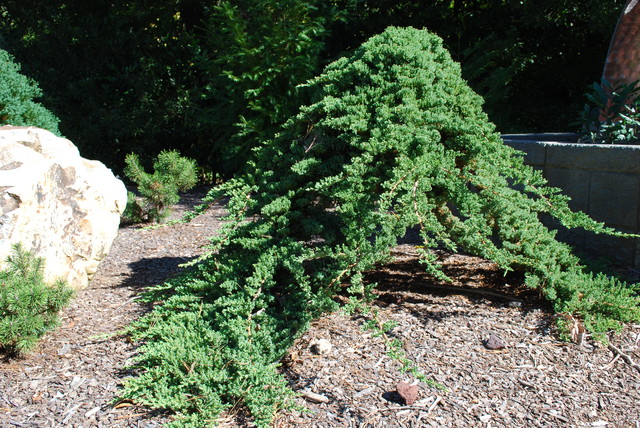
255	54
117	74
17	94
213	79
172	173
205	79
612	115
394	140
28	306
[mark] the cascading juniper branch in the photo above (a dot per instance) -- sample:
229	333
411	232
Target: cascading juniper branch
395	140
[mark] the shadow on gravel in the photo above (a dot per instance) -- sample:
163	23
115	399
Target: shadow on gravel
405	282
479	283
152	271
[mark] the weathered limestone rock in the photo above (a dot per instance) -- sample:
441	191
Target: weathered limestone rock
63	207
321	346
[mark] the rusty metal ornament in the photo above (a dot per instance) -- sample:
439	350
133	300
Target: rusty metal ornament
623	59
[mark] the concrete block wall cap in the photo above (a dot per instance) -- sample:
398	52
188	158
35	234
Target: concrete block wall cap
630	147
535	152
621	158
594	157
544	136
561	139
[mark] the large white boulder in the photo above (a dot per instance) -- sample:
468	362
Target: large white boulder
59	205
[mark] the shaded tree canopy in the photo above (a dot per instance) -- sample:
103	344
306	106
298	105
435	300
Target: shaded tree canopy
212	80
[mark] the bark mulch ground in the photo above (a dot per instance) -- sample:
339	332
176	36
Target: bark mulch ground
532	379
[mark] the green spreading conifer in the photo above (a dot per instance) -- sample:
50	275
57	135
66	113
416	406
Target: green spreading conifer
28	306
172	173
17	94
395	140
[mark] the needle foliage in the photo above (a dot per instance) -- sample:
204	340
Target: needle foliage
17	98
394	140
172	173
28	306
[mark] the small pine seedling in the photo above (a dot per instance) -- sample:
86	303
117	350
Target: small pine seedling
159	190
28	306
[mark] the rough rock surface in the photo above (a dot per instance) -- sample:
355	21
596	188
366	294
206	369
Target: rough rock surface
408	392
494	343
61	206
321	347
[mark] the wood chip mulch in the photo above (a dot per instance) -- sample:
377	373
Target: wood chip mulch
488	341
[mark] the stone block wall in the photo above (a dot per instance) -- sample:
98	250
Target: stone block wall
602	181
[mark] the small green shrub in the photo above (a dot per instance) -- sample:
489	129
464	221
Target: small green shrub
394	140
612	115
159	190
28	306
17	92
133	212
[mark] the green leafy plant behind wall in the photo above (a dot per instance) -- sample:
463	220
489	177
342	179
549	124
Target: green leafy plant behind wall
612	114
394	140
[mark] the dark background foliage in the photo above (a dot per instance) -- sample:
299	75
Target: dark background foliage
531	60
213	79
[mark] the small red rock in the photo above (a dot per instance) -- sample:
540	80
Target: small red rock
408	392
494	343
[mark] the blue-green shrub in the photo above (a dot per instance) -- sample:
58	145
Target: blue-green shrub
17	94
395	139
